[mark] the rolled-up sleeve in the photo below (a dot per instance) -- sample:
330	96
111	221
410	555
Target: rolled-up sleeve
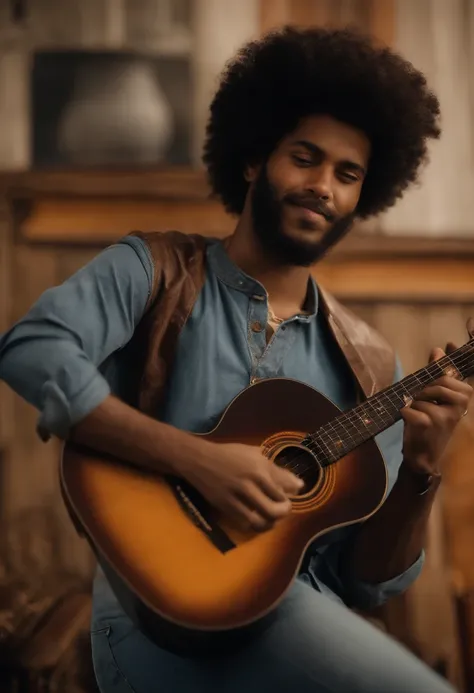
367	596
355	593
51	357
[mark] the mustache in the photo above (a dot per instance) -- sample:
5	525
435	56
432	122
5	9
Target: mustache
312	203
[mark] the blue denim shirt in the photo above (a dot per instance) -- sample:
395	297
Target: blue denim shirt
64	357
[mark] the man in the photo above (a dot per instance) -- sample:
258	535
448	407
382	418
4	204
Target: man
308	131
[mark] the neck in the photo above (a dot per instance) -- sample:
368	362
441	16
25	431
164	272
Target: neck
285	285
353	427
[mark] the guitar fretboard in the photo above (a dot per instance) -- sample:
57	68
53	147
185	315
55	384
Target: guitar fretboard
352	428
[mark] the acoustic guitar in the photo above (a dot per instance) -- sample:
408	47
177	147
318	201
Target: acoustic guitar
190	579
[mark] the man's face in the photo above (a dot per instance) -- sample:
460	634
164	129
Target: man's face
309	186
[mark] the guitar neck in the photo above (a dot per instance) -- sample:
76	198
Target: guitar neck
352	428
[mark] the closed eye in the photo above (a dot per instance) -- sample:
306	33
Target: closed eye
301	160
349	177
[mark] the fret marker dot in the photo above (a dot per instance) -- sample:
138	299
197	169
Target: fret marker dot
367	421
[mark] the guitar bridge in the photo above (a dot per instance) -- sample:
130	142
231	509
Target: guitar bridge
197	510
192	511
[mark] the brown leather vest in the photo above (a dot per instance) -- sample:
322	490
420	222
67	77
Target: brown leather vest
179	274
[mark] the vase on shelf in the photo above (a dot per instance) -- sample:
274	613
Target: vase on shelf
118	113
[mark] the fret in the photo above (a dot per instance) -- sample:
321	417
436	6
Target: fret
319	441
463	363
352	428
418	385
329	454
453	365
436	366
380	410
373	414
394	406
406	394
345	427
314	445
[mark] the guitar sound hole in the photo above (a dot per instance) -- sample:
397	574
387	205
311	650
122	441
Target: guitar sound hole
302	463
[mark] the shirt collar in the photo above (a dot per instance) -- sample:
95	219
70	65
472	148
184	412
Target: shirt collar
230	274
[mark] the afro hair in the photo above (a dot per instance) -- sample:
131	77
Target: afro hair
274	82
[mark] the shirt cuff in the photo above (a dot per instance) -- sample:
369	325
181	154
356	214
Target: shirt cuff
58	414
367	596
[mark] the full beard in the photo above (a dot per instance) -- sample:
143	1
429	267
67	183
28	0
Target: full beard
267	215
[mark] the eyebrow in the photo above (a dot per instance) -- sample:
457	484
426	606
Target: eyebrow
314	149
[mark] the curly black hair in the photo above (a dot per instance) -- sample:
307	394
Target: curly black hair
275	81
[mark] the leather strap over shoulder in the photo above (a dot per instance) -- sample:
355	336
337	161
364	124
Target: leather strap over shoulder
179	269
369	355
175	255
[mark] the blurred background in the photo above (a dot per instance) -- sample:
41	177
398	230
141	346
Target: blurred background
103	105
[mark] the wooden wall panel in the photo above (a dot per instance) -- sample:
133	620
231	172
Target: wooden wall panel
425	616
273	13
376	17
6	422
92	220
34	516
412	328
83	219
29	475
428	307
382	21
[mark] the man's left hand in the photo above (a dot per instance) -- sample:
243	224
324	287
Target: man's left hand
431	417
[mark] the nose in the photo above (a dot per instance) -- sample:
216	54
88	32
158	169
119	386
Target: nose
319	182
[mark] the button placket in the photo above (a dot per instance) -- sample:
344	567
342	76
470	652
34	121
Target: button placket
256	331
270	363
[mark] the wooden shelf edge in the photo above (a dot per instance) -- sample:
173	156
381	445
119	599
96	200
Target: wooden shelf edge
383	246
179	186
399	280
178	182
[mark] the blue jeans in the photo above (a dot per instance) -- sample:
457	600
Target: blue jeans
316	645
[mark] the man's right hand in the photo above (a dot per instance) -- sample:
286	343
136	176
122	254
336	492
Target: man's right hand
237	479
242	483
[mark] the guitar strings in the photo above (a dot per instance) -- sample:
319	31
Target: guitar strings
367	408
352	416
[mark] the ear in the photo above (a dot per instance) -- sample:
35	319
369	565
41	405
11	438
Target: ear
251	172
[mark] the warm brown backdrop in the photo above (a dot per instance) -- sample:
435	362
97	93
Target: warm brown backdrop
418	293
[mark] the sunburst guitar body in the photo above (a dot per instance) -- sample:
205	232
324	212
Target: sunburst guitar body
189	578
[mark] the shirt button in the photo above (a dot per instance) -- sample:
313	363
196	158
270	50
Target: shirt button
257	326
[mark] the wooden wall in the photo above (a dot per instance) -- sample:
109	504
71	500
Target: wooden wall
376	17
418	293
33	517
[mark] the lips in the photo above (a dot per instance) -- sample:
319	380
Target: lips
313	212
314	207
315	219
